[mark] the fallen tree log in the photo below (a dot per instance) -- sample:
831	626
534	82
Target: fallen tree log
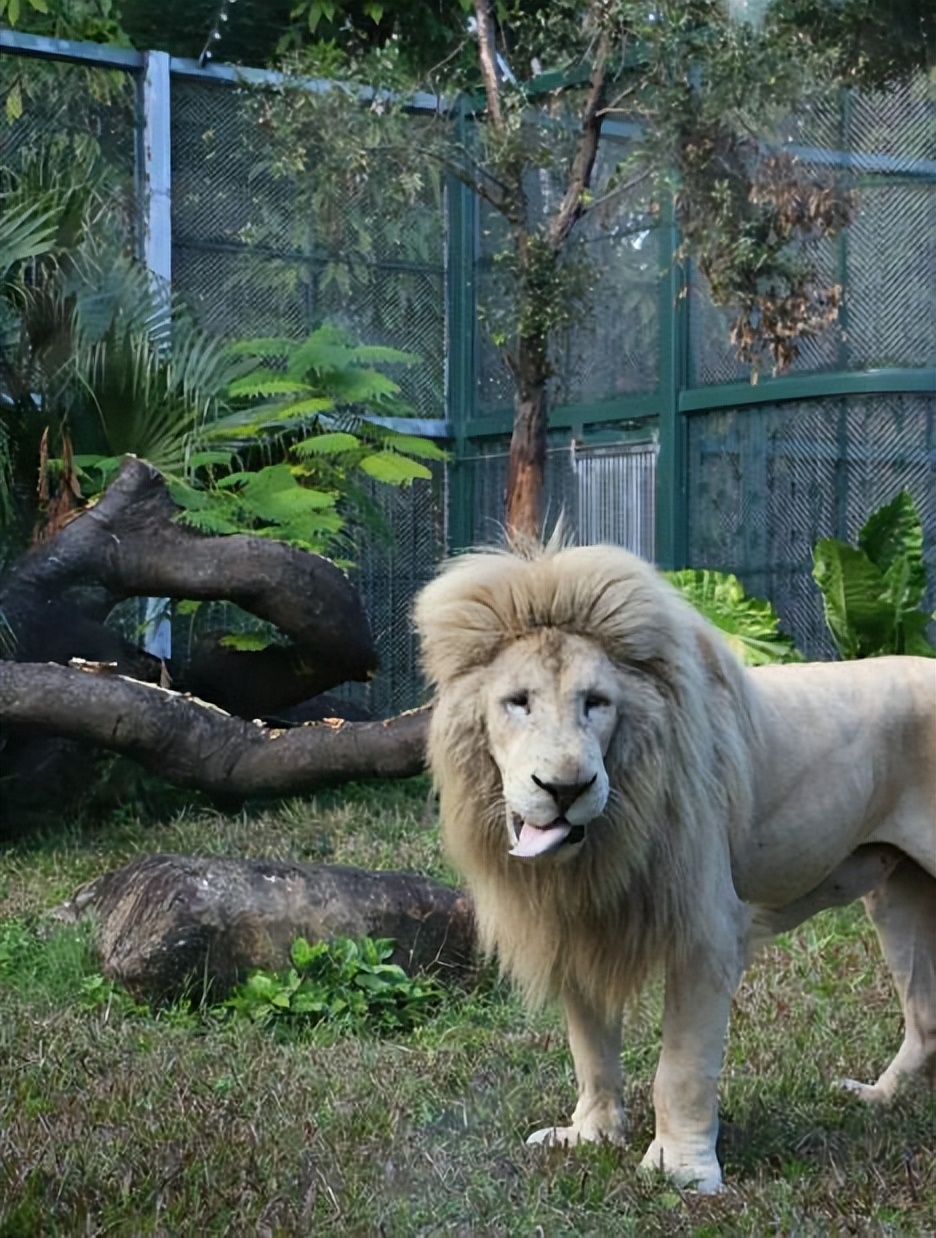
56	597
197	745
170	925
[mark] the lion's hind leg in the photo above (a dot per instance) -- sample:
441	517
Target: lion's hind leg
903	910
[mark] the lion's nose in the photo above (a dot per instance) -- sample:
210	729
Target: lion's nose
564	793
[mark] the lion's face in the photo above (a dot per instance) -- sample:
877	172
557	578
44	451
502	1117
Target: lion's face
551	705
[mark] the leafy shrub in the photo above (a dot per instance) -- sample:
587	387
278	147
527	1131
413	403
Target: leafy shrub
871	594
347	982
751	626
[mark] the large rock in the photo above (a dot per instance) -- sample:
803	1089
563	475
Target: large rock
169	924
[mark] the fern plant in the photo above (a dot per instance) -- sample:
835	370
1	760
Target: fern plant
292	461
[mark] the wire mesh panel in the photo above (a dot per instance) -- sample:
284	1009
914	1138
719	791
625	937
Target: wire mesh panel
260	251
391	570
882	143
889	310
73	123
766	483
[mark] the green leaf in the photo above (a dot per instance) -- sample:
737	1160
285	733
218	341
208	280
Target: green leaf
892	538
750	626
26	232
246	642
14	103
411	445
209	521
854	597
335	443
205	459
912	638
263	382
394	470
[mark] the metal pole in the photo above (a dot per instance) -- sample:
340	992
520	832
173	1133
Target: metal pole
154	174
671	486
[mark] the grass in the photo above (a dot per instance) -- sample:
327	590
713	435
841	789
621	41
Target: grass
114	1121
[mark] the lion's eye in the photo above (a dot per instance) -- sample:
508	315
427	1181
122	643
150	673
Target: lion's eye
595	700
518	702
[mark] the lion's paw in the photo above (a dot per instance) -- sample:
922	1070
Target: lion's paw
701	1173
569	1136
870	1093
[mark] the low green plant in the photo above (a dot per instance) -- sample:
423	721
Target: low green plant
347	982
750	625
872	592
45	963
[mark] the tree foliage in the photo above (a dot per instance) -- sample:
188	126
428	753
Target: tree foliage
532	85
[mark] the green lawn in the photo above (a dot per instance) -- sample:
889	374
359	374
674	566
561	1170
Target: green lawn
116	1122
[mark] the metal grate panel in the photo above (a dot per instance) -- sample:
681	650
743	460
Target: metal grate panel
389	574
766	483
601	494
254	260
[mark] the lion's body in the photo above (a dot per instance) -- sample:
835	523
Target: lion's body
620	793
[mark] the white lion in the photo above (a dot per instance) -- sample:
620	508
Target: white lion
619	792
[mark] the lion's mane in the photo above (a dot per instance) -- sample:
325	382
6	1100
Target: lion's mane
634	894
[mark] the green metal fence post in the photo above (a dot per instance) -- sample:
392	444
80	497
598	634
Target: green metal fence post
462	354
671	496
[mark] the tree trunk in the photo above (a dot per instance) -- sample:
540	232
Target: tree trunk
169	926
526	465
196	745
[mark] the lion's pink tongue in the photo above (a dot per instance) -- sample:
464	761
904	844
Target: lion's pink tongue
537	840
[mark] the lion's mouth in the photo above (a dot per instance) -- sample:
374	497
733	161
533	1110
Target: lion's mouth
537	840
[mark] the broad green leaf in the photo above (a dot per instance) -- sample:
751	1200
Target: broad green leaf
892	538
287	504
187	496
750	626
894	530
205	459
395	470
859	615
913	637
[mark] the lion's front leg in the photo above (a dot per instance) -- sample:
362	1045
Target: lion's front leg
685	1090
595	1042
